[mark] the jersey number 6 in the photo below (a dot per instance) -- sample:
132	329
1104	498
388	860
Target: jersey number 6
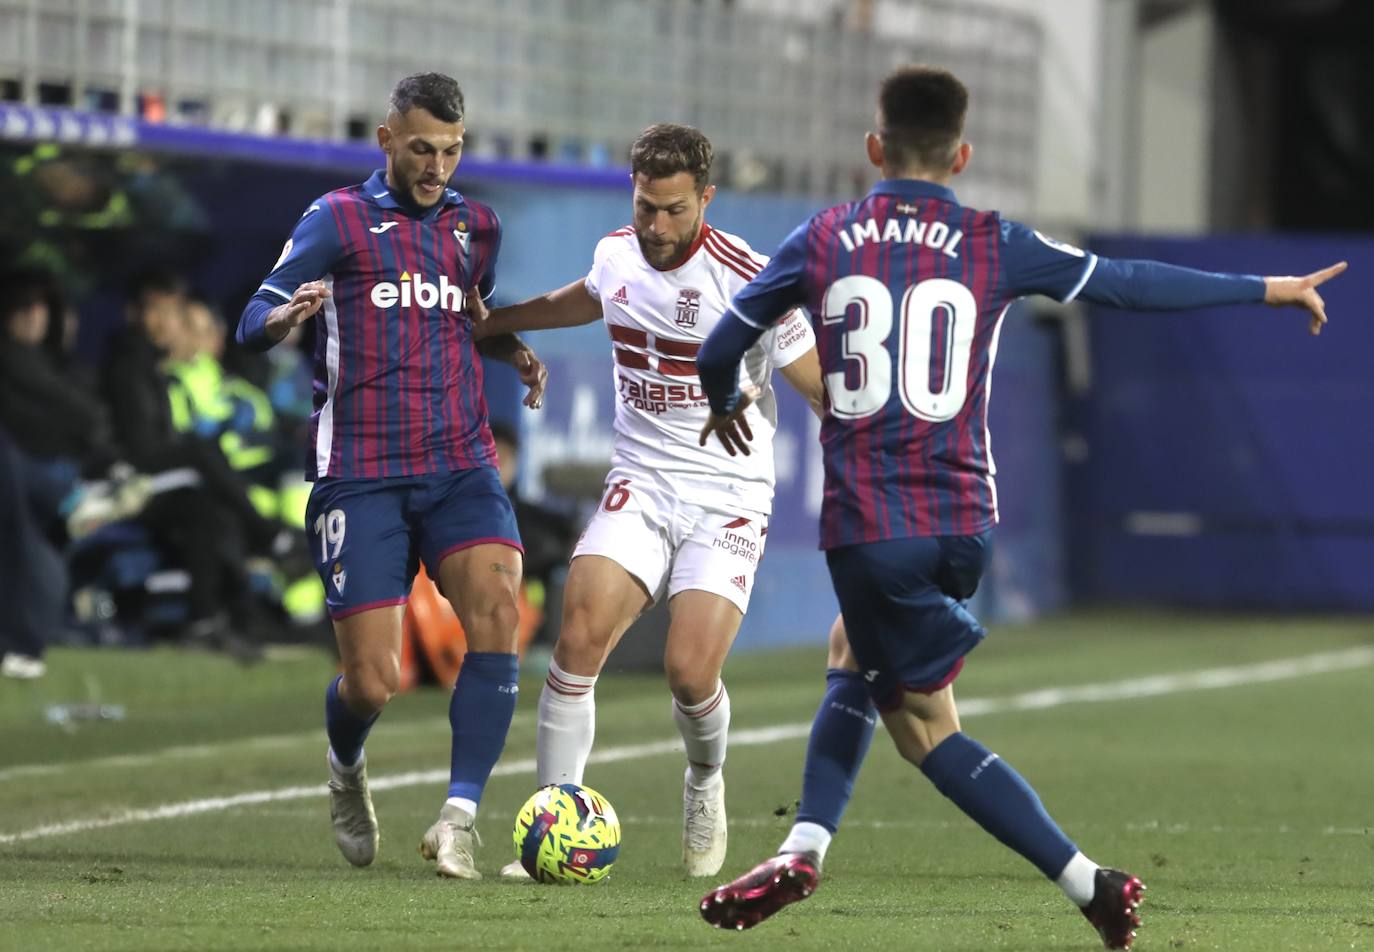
618	496
918	361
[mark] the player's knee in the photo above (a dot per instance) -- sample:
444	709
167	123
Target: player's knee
689	682
583	637
839	654
493	626
367	692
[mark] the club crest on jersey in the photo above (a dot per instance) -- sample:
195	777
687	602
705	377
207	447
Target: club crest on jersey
417	291
461	233
688	306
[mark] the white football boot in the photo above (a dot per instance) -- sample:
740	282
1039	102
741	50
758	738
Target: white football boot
350	810
451	841
515	871
703	826
23	667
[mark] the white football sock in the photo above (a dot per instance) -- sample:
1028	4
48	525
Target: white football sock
1077	879
567	726
463	803
703	727
345	768
807	838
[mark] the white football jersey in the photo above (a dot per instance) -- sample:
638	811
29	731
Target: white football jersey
657	321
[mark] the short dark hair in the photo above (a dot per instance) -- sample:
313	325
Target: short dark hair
155	280
434	92
921	110
665	149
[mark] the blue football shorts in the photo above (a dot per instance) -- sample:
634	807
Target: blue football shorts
903	607
369	535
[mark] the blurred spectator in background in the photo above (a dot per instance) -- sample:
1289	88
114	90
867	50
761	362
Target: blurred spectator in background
33	577
51	432
139	390
238	416
210	525
49	415
548	535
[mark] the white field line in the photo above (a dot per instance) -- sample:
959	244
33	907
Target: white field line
220	748
1153	686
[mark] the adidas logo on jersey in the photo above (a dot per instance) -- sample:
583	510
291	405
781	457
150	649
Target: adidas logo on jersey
416	290
620	297
739	582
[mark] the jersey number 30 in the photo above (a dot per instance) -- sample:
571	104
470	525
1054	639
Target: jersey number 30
918	362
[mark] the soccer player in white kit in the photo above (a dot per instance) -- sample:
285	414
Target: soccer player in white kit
677	518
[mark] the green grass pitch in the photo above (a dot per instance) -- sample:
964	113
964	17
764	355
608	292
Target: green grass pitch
1246	805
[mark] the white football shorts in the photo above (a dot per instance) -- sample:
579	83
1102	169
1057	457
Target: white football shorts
672	545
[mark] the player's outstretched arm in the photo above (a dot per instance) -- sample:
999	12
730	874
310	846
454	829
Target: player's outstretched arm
569	306
1155	286
1302	292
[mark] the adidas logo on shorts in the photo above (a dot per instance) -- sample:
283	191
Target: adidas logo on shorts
739	582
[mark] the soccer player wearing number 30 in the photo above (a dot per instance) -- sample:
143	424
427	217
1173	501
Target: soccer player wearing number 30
402	456
907	290
677	519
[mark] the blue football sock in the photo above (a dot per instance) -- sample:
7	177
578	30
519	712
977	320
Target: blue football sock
480	712
346	730
840	736
995	796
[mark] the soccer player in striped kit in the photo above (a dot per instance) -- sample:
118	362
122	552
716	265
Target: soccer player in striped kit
907	290
401	454
678	520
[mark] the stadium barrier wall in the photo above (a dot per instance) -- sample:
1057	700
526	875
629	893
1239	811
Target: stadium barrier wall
1223	458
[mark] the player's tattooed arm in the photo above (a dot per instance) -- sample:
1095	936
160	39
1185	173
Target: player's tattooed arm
569	306
804	376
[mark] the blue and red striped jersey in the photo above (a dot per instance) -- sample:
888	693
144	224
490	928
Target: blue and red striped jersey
398	381
907	290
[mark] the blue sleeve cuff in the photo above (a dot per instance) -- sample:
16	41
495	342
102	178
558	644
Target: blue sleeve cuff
252	329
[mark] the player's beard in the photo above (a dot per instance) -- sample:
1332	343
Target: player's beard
410	188
672	255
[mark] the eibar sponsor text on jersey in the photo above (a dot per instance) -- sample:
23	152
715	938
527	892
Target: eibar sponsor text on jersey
417	291
935	235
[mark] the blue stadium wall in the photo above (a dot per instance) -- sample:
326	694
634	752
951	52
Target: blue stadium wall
1224	458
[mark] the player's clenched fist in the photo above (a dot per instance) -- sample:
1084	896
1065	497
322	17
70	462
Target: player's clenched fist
534	375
